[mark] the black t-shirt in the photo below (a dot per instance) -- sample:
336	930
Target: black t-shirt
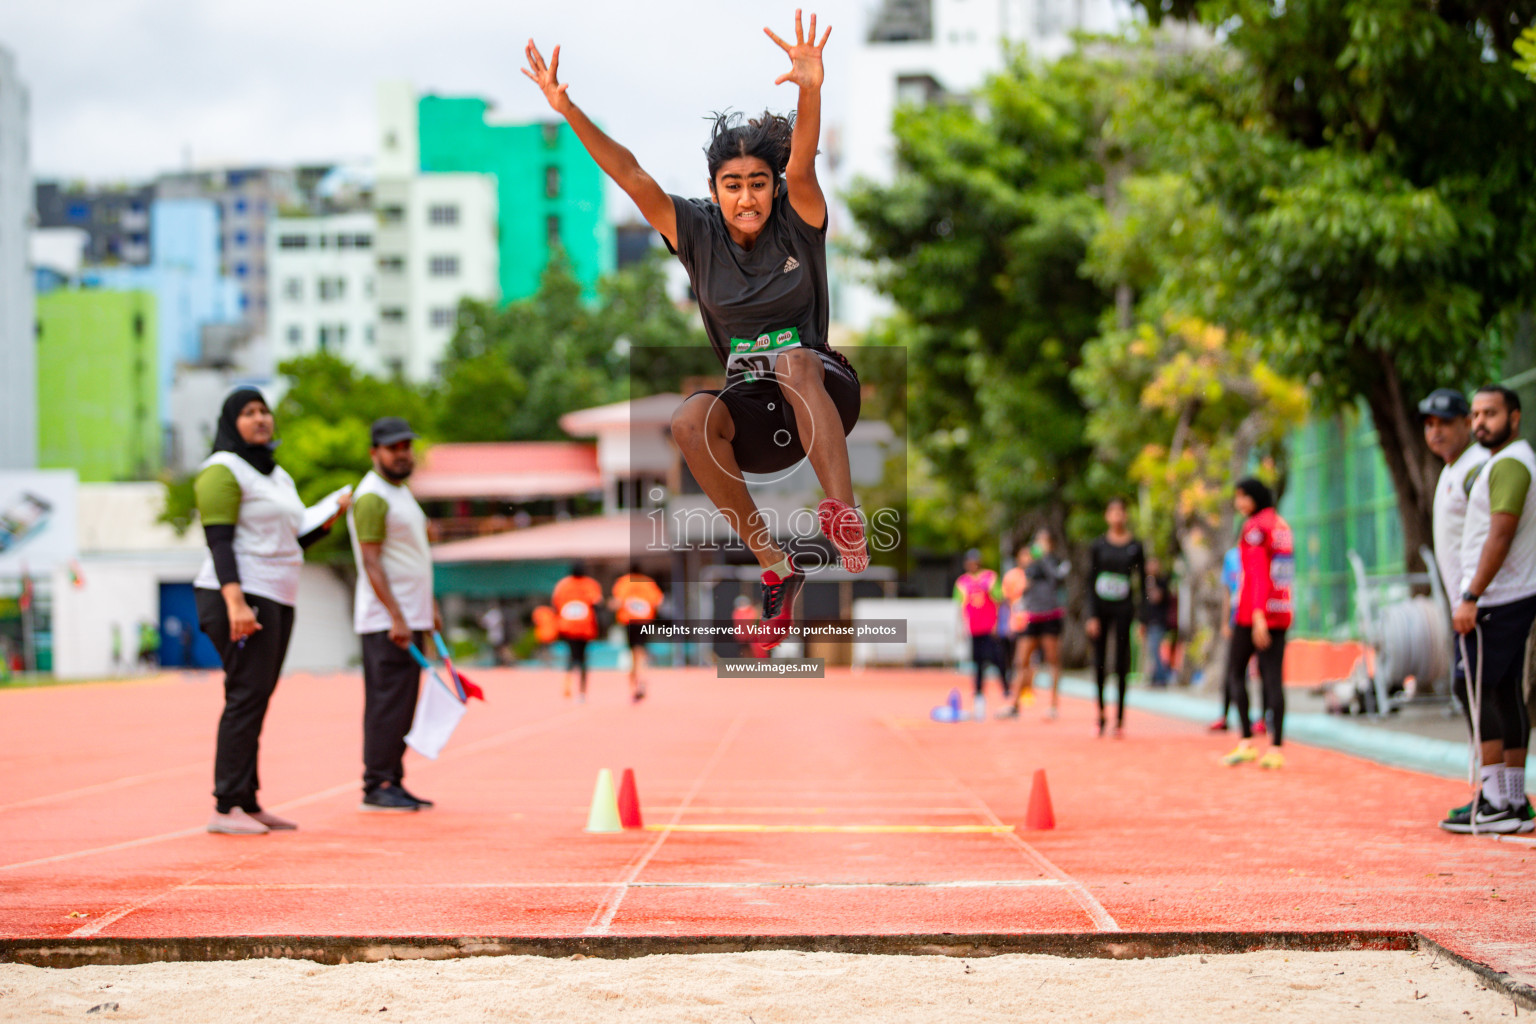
1116	576
781	282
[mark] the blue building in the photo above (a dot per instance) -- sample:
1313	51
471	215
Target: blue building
184	276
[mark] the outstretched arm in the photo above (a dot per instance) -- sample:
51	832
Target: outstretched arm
806	71
616	161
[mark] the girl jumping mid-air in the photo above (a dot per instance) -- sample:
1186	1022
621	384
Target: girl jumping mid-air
755	251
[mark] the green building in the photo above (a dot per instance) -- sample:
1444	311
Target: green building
549	191
97	384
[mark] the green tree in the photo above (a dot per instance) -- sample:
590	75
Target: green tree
979	240
1354	192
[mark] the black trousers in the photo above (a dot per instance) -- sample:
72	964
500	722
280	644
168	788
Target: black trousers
1271	679
988	650
1504	631
1116	623
250	675
391	684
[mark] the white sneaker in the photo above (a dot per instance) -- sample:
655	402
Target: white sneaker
979	708
236	823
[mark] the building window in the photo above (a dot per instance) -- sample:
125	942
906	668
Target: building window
341	334
362	241
242	270
293	241
443	215
368	287
392	315
552	230
295	335
368	333
442	316
241	238
444	266
551	182
240	205
551	134
324	338
391	214
332	288
391	264
293	288
343	241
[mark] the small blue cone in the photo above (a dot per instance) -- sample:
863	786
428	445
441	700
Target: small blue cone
949	711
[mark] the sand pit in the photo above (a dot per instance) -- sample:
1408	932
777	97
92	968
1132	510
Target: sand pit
767	988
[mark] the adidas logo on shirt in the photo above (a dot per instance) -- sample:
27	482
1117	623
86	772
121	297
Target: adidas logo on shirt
791	264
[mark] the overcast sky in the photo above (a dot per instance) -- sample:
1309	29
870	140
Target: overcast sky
124	89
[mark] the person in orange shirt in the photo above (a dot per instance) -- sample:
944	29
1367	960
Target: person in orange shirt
575	599
635	600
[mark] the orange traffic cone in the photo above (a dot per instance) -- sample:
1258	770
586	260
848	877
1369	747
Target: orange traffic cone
1040	815
629	801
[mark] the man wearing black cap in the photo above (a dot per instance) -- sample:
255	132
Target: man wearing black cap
394	605
1447	419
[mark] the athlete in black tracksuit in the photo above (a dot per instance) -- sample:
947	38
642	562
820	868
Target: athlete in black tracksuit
1116	581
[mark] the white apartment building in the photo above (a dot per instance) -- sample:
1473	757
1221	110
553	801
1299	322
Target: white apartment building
436	243
322	288
917	51
18	346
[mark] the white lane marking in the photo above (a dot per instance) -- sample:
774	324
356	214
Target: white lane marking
102	787
602	917
324	794
993	883
1086	900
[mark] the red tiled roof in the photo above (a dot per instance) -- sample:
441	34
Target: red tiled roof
597	537
512	470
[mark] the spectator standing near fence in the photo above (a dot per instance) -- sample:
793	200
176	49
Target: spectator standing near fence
392	609
979	594
1157	609
1494	612
1263	616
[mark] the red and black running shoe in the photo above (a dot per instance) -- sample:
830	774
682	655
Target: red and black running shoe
842	525
779	594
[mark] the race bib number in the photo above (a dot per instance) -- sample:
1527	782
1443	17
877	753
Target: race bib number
1112	586
573	611
637	607
753	359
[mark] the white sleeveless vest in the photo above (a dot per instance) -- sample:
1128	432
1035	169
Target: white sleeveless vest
267	550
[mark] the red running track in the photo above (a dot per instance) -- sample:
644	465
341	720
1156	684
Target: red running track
106	792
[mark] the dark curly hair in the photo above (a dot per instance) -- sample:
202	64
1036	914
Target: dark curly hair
766	137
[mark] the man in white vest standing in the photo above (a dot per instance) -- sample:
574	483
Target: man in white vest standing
394	605
1494	611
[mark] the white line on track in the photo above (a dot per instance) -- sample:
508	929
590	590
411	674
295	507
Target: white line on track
1079	892
324	794
102	787
988	883
602	918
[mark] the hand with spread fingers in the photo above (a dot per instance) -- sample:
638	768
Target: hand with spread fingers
545	77
806	69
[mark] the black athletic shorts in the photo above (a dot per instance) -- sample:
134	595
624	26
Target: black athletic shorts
1044	627
633	629
766	440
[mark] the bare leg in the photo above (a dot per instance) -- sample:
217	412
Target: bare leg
1053	658
1024	668
802	379
703	430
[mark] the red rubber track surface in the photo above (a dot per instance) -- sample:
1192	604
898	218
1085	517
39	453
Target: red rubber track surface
107	789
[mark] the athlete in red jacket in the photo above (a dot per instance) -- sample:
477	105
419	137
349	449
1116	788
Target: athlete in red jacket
1263	614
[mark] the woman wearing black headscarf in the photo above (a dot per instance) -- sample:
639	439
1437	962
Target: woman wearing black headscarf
252	516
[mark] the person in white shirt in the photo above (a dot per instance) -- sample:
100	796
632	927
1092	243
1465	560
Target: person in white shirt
394	605
1447	419
1494	612
257	530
